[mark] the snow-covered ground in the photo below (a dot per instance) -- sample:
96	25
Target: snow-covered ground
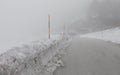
7	44
112	35
38	57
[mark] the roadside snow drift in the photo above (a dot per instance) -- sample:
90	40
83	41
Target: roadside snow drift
36	58
112	35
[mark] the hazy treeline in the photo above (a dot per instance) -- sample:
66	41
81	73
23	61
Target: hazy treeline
100	15
106	11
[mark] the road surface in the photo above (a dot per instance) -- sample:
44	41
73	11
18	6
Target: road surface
91	57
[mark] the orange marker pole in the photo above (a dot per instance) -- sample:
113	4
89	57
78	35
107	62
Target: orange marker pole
49	26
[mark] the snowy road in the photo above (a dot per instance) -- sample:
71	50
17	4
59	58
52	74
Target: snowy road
91	57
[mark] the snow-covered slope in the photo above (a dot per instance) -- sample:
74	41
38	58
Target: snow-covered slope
7	43
38	57
112	35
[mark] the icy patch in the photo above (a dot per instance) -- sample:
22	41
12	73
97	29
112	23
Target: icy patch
112	35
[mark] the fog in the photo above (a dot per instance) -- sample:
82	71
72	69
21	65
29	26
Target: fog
21	20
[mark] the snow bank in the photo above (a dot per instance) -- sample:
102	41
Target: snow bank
36	58
112	35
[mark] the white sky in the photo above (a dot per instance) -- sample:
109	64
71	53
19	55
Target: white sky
27	18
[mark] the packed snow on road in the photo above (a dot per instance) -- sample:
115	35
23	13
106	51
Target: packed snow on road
111	35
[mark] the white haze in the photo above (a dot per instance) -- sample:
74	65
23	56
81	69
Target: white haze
21	20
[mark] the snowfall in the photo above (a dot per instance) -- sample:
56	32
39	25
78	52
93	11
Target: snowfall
111	35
